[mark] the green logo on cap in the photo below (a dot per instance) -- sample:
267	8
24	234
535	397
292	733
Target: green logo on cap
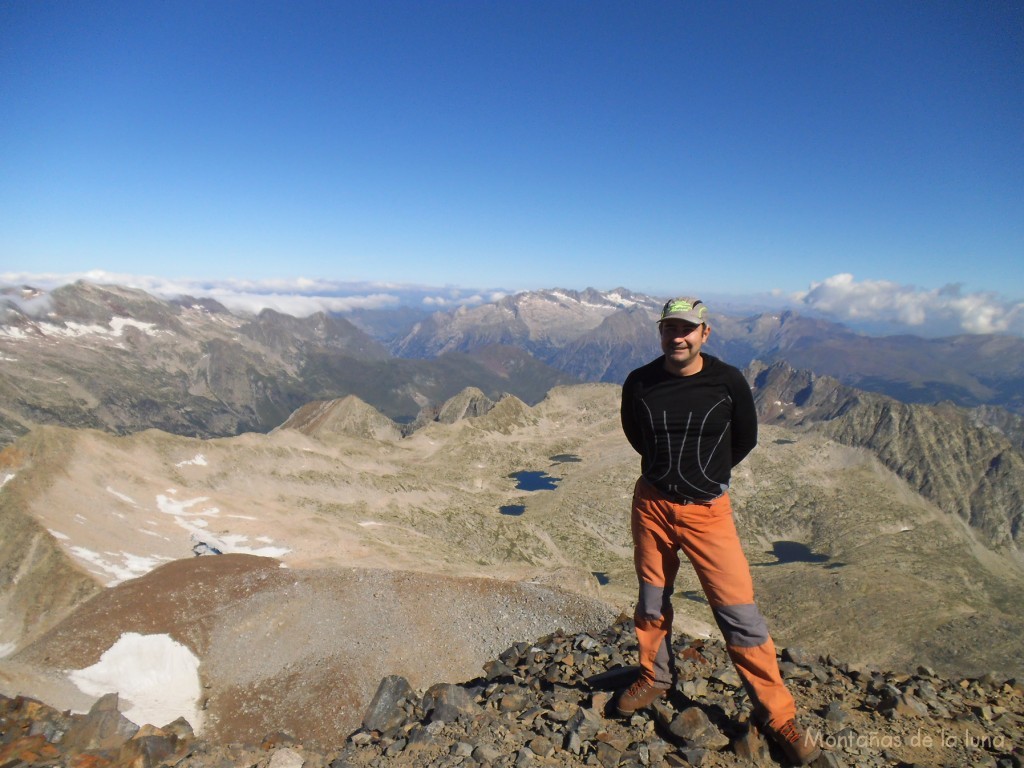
683	307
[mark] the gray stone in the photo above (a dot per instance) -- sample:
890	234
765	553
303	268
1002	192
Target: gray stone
445	702
527	717
585	724
983	712
903	705
752	747
659	748
419	738
694	727
286	758
608	755
573	743
828	760
515	701
821	674
104	727
791	671
181	728
694	689
799	656
836	714
727	675
498	669
541	746
462	749
361	738
694	755
524	757
485	754
149	747
560	711
385	711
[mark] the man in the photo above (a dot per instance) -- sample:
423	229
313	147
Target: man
691	418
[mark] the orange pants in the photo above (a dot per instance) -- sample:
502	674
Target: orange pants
705	532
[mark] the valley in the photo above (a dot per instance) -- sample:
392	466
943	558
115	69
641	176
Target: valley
895	581
880	533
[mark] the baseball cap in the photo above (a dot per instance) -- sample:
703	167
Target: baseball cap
685	308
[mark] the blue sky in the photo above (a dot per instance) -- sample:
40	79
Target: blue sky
853	149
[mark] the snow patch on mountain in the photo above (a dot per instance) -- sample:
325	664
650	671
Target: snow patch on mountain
74	330
120	566
196	524
121	496
157	677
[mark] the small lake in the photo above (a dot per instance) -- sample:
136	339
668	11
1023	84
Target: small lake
528	480
795	552
565	458
534	481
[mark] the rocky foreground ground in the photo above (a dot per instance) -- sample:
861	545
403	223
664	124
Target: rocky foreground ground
551	703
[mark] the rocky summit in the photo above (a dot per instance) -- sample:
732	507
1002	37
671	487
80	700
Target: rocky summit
550	702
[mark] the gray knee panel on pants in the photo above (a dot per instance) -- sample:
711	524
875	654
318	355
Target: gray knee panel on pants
654	601
742	625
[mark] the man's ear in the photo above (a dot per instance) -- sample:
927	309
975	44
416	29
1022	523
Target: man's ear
707	331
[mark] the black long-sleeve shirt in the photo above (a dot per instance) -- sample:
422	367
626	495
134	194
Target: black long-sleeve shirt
690	431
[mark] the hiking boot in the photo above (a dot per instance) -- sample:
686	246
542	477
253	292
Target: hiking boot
798	745
640	694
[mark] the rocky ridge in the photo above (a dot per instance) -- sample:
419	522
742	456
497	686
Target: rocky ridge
468	404
974	472
118	359
541	322
550	702
348	415
602	335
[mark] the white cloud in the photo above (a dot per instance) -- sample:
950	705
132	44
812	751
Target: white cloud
946	310
31	303
298	305
299	297
444	302
873	305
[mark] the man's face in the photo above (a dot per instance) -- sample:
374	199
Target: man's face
681	342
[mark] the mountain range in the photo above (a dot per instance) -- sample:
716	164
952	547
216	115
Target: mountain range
141	433
601	336
121	360
118	359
